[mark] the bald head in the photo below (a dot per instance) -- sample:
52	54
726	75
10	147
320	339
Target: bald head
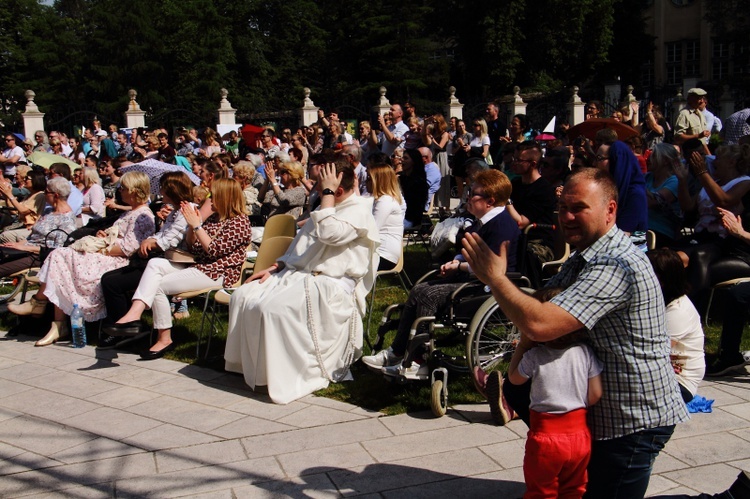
426	154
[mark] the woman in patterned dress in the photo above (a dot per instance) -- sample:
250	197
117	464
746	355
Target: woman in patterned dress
219	245
71	277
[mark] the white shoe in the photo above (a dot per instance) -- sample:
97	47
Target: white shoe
414	372
382	359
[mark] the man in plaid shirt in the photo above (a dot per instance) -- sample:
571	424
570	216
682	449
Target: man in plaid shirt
611	291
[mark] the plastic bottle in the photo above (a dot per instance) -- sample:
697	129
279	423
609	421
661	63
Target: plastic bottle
78	327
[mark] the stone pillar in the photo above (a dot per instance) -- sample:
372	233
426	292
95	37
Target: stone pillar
726	103
134	117
629	97
517	105
576	108
383	106
308	113
33	119
677	104
454	109
226	112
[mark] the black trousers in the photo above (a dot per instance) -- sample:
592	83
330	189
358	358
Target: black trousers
118	286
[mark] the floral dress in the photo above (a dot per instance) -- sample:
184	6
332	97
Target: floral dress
73	277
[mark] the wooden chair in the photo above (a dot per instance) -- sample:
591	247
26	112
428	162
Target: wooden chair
269	252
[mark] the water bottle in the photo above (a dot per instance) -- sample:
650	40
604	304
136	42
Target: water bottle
78	327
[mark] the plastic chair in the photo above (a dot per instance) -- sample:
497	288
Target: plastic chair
397	270
650	239
279	225
722	285
562	253
269	252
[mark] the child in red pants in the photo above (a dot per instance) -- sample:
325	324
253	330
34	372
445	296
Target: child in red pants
565	379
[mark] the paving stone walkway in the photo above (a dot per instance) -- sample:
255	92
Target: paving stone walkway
74	425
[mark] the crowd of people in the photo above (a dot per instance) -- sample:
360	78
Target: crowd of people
630	319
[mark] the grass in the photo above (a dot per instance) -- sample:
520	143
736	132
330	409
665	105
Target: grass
369	390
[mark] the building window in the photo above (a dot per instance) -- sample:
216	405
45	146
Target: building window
674	52
647	74
720	69
674	75
692	58
721	50
674	63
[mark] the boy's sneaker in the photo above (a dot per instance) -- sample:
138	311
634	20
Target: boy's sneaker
723	366
383	358
499	408
415	372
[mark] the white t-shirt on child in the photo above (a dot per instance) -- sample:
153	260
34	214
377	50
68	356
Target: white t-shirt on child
559	377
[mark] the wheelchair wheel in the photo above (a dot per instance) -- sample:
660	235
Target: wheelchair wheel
492	339
439	399
10	287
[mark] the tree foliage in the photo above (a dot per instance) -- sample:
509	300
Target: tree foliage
180	53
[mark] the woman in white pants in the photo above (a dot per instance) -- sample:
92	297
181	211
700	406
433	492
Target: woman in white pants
219	245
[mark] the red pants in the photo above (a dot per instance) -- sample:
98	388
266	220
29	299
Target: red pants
558	449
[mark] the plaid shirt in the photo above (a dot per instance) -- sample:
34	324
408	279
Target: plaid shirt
612	290
737	126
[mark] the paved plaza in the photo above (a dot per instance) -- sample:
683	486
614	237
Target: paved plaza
74	423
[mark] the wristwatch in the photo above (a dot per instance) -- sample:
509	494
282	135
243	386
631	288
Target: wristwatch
195	229
328	192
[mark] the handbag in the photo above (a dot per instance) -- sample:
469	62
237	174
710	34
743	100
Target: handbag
95	244
444	234
179	256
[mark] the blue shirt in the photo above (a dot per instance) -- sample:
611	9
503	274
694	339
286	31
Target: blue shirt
433	181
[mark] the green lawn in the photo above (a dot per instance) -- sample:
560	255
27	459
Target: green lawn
369	389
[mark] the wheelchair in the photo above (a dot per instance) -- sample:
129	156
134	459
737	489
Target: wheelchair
475	336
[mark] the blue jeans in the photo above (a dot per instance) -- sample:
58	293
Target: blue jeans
621	467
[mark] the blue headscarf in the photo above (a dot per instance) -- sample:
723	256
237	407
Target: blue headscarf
632	207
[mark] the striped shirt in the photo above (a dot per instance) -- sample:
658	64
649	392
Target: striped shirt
612	290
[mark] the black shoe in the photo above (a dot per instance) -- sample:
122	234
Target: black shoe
108	342
723	366
131	328
151	355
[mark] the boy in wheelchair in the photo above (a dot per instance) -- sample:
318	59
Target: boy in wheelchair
487	200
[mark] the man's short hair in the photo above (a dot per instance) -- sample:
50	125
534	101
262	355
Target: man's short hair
347	171
61	169
425	151
379	158
606	136
598	176
531	145
355	151
495	184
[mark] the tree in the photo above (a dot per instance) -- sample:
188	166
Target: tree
16	20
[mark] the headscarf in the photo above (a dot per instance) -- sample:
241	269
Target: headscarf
632	207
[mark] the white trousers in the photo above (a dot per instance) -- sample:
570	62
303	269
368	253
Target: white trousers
163	278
